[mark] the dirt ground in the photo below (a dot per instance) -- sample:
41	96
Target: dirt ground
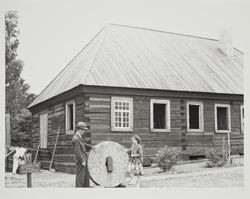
227	177
187	175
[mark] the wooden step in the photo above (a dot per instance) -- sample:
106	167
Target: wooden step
67	164
45	164
58	166
42	155
64	158
63	150
65	167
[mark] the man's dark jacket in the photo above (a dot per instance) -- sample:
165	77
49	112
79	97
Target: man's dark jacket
82	175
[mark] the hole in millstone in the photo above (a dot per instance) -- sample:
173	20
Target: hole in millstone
109	164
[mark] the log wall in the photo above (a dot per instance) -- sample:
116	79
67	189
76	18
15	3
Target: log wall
95	110
98	110
64	157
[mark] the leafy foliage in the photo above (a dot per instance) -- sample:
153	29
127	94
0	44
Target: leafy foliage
16	89
167	157
17	97
11	36
216	157
22	129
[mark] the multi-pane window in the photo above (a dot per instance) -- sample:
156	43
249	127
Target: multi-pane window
160	115
194	116
222	118
242	118
122	114
70	116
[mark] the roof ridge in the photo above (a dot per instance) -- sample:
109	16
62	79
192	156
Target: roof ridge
174	33
155	30
67	65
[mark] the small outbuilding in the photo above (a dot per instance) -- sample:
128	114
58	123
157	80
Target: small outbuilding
170	89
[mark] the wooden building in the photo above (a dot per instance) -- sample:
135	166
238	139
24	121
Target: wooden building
170	89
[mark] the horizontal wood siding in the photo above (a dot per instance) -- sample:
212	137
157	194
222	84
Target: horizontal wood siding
100	122
95	110
197	143
56	117
200	142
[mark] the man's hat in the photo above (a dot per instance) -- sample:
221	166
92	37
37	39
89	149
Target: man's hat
81	125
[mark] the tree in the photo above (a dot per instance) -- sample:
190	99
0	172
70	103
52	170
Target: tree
17	97
22	129
11	36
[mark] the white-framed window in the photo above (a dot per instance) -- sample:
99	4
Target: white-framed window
70	116
242	118
195	122
160	115
222	118
44	129
121	114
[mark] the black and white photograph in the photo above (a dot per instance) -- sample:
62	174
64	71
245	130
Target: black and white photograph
124	94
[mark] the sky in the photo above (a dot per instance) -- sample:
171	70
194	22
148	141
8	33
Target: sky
52	32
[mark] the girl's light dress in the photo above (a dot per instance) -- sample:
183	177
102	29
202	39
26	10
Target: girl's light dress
135	160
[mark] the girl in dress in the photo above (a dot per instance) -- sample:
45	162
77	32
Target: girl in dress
135	167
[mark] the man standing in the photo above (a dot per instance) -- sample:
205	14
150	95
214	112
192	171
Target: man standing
79	145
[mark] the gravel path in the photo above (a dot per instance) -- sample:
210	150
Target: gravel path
188	175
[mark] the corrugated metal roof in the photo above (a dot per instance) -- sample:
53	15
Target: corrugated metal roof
124	56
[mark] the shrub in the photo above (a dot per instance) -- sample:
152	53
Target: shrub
216	157
167	157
